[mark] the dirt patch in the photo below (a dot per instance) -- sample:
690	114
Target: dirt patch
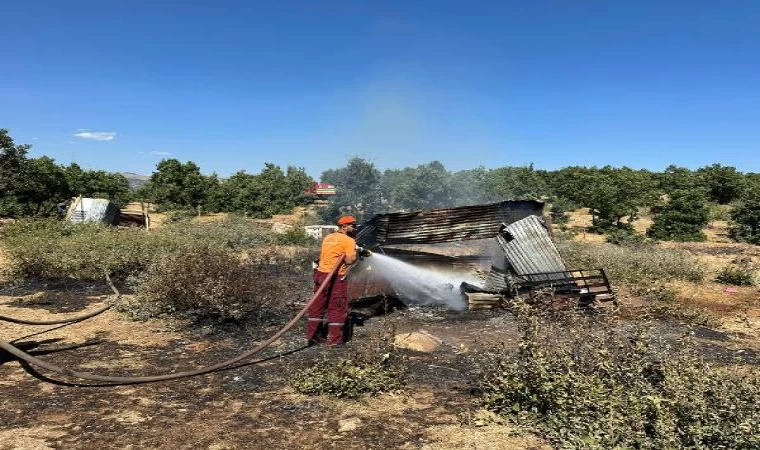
32	438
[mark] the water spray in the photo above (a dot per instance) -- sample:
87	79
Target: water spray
417	285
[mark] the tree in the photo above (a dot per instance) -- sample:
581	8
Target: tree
177	185
28	186
297	181
13	163
676	178
683	218
612	195
723	183
516	183
45	185
358	186
97	184
426	186
745	218
468	187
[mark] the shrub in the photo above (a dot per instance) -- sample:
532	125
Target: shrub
234	232
624	236
179	215
208	282
583	383
54	249
634	264
655	292
295	236
560	207
737	276
374	368
719	212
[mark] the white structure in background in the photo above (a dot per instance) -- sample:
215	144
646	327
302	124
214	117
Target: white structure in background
92	210
320	231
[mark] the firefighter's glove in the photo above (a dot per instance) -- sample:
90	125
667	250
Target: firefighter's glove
363	252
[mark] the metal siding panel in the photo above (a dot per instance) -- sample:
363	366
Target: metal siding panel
532	250
94	210
435	226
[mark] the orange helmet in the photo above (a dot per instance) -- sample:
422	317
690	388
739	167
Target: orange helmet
345	220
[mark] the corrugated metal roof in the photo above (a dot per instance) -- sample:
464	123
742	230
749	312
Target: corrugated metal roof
434	226
529	248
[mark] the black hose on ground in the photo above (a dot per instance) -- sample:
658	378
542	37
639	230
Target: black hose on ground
68	319
173	376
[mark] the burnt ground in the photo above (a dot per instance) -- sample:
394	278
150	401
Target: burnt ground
252	405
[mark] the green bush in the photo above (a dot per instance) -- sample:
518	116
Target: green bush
184	268
719	212
583	383
623	236
296	236
179	215
736	275
55	249
633	265
376	367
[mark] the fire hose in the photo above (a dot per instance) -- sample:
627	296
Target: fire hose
172	376
68	319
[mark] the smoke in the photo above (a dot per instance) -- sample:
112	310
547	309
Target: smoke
416	285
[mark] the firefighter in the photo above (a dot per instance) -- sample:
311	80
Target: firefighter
333	299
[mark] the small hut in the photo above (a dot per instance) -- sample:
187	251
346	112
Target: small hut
84	209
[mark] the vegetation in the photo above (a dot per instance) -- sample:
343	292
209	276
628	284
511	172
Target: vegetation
207	282
745	218
634	265
736	275
613	196
33	186
375	367
582	383
682	218
184	268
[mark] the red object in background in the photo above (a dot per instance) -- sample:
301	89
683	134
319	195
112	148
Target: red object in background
321	189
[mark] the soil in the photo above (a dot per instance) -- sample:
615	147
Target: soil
253	405
248	406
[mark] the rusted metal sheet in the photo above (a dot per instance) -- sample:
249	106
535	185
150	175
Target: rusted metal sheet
434	226
529	249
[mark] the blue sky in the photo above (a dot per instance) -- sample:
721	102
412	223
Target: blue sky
118	85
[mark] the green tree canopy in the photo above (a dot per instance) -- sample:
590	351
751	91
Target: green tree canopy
723	183
683	218
358	185
515	183
97	184
745	218
28	186
177	185
426	186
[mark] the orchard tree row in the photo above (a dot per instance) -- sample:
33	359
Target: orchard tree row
683	200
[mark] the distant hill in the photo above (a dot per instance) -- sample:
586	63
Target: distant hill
135	180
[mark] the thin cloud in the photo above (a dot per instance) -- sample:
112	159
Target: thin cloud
71	142
96	135
156	152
